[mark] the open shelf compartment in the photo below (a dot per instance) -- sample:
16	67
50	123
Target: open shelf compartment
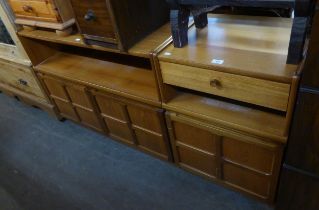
129	81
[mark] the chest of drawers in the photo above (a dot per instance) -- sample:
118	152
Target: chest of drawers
118	23
53	14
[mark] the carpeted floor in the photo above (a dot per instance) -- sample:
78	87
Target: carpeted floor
46	164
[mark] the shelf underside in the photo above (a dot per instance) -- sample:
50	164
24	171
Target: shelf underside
128	81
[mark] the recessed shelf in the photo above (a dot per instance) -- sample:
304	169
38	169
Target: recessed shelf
131	82
143	48
229	115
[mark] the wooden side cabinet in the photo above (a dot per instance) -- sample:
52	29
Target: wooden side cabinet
236	160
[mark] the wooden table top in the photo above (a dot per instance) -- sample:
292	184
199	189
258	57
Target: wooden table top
249	46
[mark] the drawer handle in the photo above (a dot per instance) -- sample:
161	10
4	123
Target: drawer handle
27	8
89	16
215	83
23	82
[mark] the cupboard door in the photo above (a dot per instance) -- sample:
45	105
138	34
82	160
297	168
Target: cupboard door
82	104
73	102
116	118
148	125
138	124
58	95
194	149
242	162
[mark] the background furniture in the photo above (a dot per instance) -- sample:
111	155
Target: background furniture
299	183
181	10
119	23
16	74
53	14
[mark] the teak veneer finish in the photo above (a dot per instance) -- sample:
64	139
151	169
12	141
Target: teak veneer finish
252	52
250	46
230	97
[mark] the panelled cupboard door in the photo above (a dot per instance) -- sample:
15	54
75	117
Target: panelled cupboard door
242	162
134	123
72	101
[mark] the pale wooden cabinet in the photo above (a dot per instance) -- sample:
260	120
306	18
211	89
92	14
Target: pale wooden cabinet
237	160
52	14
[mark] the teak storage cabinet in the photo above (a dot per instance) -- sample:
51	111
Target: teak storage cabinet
54	14
229	96
119	23
108	90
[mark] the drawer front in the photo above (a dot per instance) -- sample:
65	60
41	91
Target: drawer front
260	92
94	19
44	10
20	77
241	162
134	123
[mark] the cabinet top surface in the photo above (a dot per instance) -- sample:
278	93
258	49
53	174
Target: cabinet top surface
251	46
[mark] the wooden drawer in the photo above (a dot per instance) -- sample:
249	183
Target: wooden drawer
237	160
20	77
134	123
44	10
247	89
99	27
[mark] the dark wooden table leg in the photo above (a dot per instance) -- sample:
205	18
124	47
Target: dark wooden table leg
179	26
201	20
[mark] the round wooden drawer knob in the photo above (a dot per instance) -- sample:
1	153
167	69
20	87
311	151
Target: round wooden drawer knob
89	15
215	83
27	8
